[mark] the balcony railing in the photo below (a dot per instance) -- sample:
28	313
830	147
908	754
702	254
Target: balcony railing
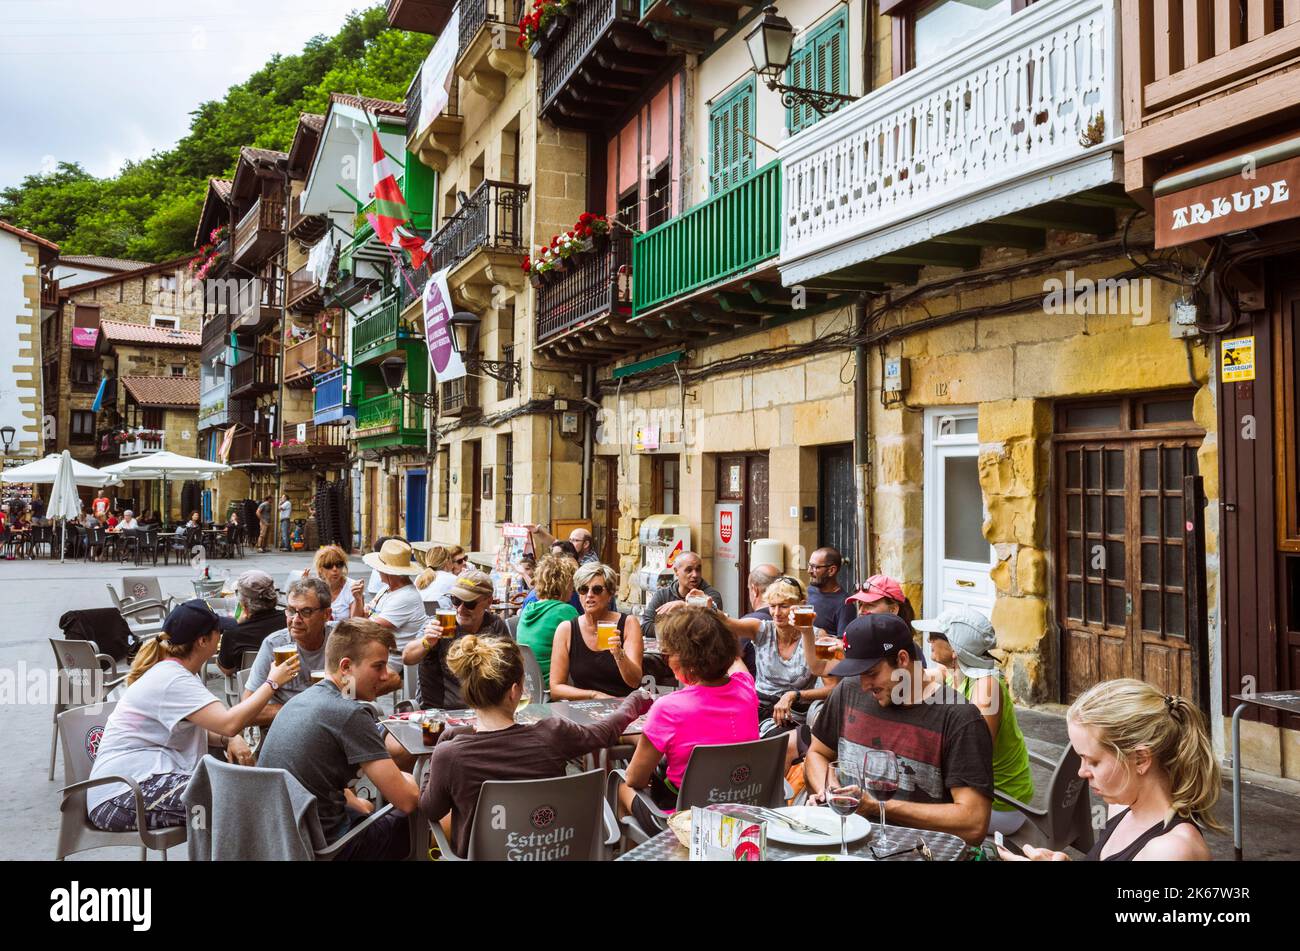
254	374
328	405
381	330
247	447
730	233
389	412
493	218
317	442
474	14
1024	99
458	396
142	445
581	73
591	289
260	231
216	331
259	304
1180	63
305	294
50	293
441	132
300	360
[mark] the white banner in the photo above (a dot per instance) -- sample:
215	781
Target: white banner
443	355
436	75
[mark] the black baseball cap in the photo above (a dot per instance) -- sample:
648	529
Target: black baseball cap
868	640
189	621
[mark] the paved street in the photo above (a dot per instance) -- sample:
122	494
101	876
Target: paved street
36	593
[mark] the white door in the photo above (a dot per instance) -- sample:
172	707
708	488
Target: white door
957	556
727	539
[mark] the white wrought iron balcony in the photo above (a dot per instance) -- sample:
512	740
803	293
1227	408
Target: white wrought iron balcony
1011	134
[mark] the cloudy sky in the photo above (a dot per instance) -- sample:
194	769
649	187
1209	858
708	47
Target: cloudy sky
83	84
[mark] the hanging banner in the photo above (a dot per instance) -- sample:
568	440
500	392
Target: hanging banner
223	454
436	75
444	359
85	337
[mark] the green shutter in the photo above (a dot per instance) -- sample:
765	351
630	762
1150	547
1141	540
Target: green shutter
820	62
418	190
731	146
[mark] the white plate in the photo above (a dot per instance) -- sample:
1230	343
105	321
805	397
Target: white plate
829	857
819	817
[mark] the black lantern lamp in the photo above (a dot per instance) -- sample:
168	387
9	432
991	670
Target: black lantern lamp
393	370
770	45
7	434
465	329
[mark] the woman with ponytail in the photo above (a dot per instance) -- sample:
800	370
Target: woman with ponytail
491	675
165	722
1149	756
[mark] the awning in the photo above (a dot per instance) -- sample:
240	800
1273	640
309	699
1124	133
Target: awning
1243	190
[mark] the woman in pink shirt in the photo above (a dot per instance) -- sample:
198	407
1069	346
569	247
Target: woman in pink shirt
717	705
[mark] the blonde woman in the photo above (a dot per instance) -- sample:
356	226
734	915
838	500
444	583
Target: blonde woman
331	566
166	720
440	570
1148	754
491	674
596	673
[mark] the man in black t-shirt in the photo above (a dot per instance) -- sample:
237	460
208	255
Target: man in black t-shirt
945	753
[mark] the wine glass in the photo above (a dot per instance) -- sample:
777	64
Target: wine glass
843	795
525	698
880	770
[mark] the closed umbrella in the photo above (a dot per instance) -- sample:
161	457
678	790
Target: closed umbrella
64	502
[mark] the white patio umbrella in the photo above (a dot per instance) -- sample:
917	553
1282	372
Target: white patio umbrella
64	503
44	471
166	465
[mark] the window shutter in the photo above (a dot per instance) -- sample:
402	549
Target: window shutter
731	123
820	62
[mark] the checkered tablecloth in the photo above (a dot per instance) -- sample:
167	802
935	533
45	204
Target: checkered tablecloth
946	848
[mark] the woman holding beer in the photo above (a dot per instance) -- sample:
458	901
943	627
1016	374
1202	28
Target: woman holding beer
598	654
166	720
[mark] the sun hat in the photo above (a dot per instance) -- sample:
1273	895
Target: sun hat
971	637
394	558
472	585
877	587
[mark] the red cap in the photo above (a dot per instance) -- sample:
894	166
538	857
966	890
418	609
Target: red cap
877	587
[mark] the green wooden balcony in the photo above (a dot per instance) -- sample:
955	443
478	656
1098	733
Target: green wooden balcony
381	332
731	233
388	420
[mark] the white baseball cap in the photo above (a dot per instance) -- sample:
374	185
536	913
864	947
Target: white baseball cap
971	637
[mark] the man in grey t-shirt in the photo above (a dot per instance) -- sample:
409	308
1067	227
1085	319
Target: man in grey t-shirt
308	614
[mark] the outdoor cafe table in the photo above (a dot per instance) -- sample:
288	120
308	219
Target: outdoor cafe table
1287	701
945	848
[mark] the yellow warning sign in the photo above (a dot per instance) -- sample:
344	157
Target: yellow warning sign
1238	362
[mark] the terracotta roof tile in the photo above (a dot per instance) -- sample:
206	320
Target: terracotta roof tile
163	390
252	154
221	186
102	263
380	106
121	332
312	120
14	229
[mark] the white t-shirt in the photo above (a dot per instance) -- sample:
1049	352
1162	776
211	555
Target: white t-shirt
439	588
286	509
147	733
404	609
341	608
374	585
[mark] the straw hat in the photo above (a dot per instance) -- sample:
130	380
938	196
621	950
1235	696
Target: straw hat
394	558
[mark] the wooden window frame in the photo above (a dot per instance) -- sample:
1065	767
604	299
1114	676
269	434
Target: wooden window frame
1131	424
1287	409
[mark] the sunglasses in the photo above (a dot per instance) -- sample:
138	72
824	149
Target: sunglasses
461	560
793	581
595	589
470	605
337	564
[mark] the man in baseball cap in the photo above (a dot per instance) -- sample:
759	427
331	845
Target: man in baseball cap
944	750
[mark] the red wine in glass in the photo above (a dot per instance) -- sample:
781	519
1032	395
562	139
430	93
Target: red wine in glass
880	772
882	790
843	805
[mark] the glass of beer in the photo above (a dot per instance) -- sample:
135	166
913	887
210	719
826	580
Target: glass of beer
698	599
447	621
828	647
803	615
604	631
282	654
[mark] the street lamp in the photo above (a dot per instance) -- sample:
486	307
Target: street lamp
7	436
465	329
393	370
770	44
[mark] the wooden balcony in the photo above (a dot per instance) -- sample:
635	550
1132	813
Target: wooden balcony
389	421
484	243
1014	133
439	137
598	65
216	332
305	295
420	16
251	448
49	293
328	404
260	232
595	295
1199	79
488	57
306	228
690	26
259	305
300	362
253	375
318	445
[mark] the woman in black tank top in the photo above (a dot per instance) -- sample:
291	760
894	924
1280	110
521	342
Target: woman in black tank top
1150	753
582	669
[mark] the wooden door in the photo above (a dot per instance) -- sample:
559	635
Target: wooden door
475	494
371	507
605	511
1121	571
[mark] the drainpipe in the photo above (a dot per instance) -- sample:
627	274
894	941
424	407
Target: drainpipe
861	441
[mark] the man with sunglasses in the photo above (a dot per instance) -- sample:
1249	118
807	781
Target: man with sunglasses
308	619
471	597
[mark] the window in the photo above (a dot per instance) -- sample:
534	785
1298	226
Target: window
444	481
167	323
85	371
665	474
819	63
659	201
731	146
629	207
507	446
83	425
942	25
178	369
151	418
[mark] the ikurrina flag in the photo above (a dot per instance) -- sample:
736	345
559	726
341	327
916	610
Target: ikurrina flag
390	219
